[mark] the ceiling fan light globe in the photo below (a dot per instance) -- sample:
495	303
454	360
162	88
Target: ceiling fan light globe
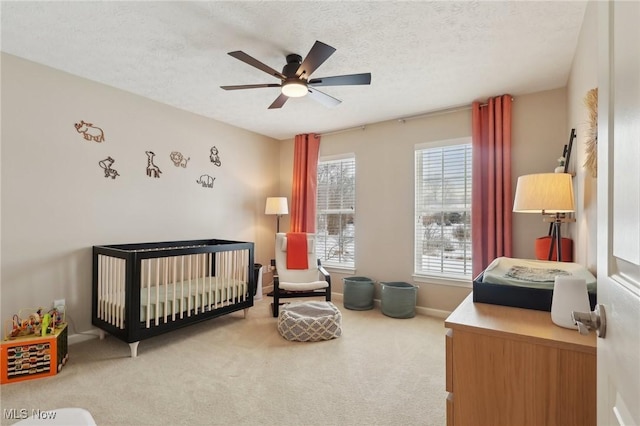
294	89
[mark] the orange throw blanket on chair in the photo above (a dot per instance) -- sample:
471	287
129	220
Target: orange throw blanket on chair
297	250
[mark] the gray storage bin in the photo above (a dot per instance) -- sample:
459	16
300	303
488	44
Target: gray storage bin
358	293
398	299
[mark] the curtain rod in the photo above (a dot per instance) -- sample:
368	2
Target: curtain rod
437	112
348	129
412	117
403	119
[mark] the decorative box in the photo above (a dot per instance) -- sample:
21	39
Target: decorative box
519	297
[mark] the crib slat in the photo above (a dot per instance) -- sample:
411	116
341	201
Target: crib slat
120	296
110	291
234	273
181	287
197	279
173	302
157	311
210	276
218	274
189	298
148	293
99	285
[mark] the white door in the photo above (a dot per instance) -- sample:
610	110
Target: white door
619	211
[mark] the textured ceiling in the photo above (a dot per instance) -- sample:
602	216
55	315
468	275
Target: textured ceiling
423	56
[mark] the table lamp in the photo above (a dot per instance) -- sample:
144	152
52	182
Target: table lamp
549	194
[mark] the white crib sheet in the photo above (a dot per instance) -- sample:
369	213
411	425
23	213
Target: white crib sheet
225	289
534	273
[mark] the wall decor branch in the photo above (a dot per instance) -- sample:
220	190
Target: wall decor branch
89	131
591	102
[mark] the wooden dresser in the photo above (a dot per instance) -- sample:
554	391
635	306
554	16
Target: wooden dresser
512	366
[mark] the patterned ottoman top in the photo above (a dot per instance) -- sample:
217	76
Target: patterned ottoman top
310	321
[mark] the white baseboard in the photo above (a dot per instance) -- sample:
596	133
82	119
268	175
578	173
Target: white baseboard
436	313
94	333
420	310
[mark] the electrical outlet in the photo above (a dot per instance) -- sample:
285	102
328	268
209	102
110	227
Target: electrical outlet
59	304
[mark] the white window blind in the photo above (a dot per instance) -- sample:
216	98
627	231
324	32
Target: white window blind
443	209
335	212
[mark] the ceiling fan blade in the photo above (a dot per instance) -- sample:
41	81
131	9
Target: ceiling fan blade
238	54
323	98
319	53
341	80
280	100
249	86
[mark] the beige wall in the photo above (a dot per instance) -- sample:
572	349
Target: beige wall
583	78
57	204
385	190
539	135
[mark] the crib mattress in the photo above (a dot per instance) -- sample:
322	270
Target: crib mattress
204	297
186	299
526	283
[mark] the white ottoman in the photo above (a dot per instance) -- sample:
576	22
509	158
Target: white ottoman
310	321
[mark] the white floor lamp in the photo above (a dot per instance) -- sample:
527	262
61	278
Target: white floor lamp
277	206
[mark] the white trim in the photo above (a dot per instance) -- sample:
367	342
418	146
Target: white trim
91	334
339	269
440	143
430	312
443	280
337	157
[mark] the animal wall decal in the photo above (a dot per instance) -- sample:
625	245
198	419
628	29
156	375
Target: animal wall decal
178	159
106	166
214	157
206	181
152	169
89	131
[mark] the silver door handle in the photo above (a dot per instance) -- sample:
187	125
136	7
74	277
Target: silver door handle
594	320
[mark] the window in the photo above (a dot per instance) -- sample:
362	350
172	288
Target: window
335	211
443	209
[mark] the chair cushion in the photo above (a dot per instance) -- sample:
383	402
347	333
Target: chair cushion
312	285
311	247
310	321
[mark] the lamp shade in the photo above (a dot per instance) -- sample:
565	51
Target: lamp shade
276	205
544	193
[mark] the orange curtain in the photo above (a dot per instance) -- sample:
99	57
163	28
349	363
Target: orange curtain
491	195
305	179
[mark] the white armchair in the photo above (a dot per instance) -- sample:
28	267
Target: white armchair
314	281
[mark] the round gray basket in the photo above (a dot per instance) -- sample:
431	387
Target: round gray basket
358	293
398	299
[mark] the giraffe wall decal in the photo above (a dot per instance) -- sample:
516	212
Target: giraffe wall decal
152	169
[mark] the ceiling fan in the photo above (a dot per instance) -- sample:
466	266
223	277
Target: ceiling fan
294	77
